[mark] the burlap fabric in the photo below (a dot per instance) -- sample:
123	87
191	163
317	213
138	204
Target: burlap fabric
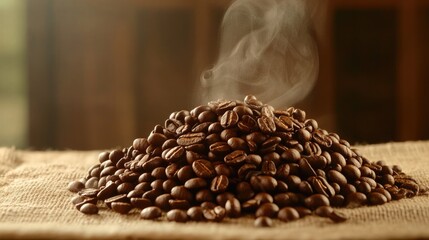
34	203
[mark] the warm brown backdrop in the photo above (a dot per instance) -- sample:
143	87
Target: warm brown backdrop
101	73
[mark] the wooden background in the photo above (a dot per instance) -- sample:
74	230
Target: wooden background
102	73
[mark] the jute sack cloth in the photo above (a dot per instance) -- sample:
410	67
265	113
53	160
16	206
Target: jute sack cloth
34	203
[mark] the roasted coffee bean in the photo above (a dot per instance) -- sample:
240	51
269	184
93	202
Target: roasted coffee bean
268	168
168	184
121	207
247	124
351	172
288	214
323	211
320	185
89	208
151	212
337	216
316	200
174	154
179	204
262	183
219	184
191	138
244	191
215	214
108	191
103	156
376	198
195	183
305	188
140	203
223	169
85	201
263	222
195	213
77	199
355	199
233	207
117	198
204	195
339	159
203	168
337	177
303	211
162	201
219	148
267	210
229	119
75	186
235	157
237	143
337	200
182	193
266	124
185	173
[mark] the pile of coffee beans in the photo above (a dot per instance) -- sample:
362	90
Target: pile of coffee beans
238	158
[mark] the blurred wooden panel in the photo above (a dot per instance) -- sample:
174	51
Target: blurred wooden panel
88	75
365	82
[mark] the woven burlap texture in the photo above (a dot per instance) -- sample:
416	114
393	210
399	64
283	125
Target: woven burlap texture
34	203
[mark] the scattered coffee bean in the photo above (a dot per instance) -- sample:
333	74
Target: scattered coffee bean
151	212
89	208
288	214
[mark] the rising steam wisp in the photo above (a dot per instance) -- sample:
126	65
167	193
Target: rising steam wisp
268	50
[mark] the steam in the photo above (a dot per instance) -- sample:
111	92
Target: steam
267	50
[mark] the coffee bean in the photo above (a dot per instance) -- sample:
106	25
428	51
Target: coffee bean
162	201
263	183
356	199
288	214
140	203
182	193
268	168
179	204
229	119
337	177
89	208
203	168
244	191
121	207
351	172
223	197
316	200
151	212
266	124
75	186
108	191
190	138
204	195
323	211
376	198
235	157
219	184
195	183
233	207
303	211
215	214
195	213
185	173
337	216
77	199
267	210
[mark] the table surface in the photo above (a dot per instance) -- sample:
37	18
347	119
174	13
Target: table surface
34	203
